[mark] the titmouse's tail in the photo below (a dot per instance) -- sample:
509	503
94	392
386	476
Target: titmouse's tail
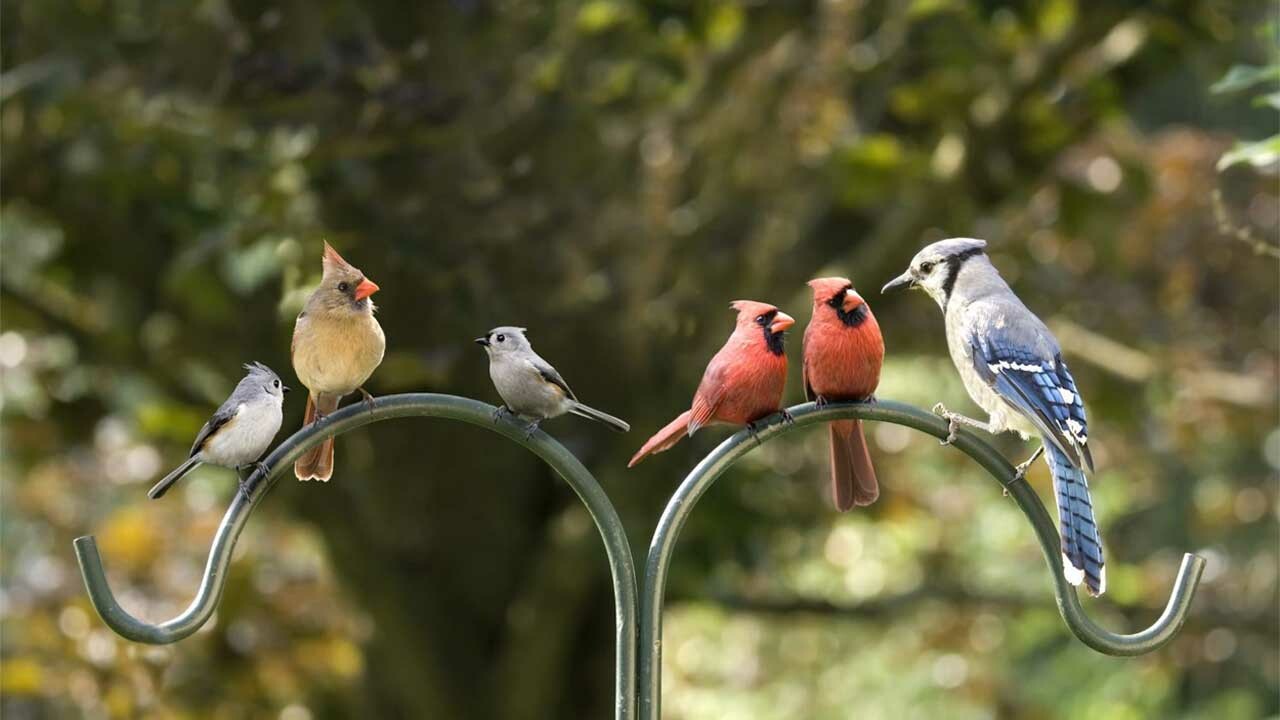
591	413
317	463
853	477
665	438
167	481
1081	543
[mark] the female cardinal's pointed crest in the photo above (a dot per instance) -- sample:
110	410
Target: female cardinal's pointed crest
331	257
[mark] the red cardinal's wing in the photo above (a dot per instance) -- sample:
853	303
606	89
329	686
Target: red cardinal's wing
710	392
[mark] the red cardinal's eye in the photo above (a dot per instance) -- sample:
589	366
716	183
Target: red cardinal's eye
343	287
760	320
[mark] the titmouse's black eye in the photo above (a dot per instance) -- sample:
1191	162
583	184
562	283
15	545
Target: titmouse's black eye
926	268
276	383
343	287
502	338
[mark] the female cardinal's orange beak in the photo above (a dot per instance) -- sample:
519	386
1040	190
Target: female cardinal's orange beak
366	288
781	322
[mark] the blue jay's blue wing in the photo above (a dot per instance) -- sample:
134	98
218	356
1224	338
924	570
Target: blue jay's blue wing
1040	387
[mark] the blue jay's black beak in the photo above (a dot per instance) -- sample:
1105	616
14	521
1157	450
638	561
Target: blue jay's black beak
482	341
903	280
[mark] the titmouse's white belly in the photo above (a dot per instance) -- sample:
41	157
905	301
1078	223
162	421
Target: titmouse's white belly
245	437
524	390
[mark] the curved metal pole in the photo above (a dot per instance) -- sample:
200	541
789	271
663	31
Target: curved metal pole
621	564
730	451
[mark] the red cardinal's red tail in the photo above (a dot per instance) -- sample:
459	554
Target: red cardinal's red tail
664	439
853	479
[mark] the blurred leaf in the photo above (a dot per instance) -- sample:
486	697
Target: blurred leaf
1242	77
1259	154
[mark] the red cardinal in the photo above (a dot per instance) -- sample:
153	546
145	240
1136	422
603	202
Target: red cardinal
743	382
843	352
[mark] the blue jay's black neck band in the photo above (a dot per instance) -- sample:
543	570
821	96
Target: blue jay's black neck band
953	270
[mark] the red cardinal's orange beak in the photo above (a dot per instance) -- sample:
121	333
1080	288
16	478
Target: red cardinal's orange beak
851	301
781	322
366	288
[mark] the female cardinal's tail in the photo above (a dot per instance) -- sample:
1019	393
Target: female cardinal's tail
853	478
317	463
665	438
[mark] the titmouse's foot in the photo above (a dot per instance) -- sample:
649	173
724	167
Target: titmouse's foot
258	465
786	417
1020	472
368	399
530	429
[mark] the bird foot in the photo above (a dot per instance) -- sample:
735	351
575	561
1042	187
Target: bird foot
368	399
953	425
787	419
1020	472
499	411
530	429
754	432
260	466
872	400
821	401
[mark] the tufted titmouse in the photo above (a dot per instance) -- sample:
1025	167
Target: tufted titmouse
241	429
337	344
529	386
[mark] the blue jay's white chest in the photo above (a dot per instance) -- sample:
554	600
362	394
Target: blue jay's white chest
246	436
960	318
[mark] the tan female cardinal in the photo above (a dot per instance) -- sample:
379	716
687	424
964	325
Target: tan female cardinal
742	384
843	352
337	344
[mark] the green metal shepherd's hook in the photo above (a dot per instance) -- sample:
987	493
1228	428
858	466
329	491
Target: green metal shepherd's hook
730	451
621	564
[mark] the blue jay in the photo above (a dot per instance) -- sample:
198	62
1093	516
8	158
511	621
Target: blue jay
1012	367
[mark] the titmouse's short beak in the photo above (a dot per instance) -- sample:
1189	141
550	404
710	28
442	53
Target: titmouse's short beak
851	300
366	288
482	341
285	388
903	280
781	322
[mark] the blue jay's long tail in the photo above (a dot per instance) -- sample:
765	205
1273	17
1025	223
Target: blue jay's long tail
1081	542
